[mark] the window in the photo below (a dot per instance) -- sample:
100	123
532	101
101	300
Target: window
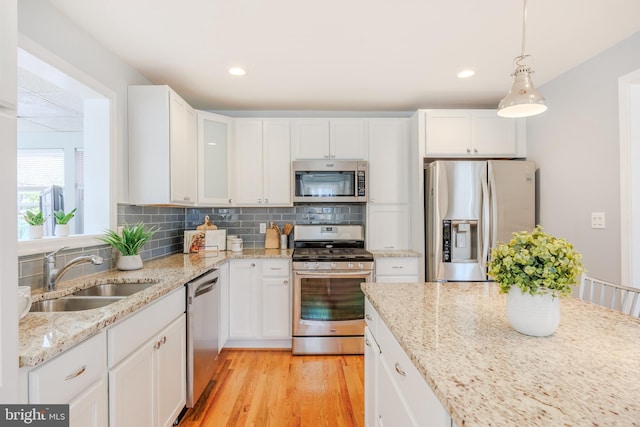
64	149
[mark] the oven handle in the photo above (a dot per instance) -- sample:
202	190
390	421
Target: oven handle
328	272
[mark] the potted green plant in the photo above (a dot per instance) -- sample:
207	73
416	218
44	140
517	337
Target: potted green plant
535	269
129	242
36	220
62	222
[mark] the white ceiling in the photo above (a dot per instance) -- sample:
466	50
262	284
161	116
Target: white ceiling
364	55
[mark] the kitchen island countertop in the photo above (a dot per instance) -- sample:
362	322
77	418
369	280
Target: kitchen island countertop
485	373
44	335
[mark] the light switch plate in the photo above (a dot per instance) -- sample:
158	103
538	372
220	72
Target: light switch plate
263	227
597	220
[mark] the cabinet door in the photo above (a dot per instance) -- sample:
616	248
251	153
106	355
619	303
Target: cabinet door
276	151
246	162
243	299
494	135
388	227
371	355
181	125
213	150
388	161
171	382
311	139
276	308
348	139
131	389
448	132
223	320
91	407
8	55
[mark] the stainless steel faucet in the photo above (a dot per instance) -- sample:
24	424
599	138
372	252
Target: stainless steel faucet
53	274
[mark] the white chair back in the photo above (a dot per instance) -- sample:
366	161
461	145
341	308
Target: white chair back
616	297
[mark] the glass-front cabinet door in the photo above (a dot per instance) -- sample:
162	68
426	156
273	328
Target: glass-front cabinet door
213	151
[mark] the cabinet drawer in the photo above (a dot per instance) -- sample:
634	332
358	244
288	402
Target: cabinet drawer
425	407
396	266
66	375
278	268
127	335
371	317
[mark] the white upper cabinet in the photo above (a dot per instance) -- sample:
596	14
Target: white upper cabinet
473	133
329	139
261	162
388	161
214	134
8	53
162	147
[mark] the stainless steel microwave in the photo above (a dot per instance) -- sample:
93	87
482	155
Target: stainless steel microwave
342	181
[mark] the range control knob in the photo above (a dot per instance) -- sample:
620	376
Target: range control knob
360	265
333	265
306	265
316	265
350	265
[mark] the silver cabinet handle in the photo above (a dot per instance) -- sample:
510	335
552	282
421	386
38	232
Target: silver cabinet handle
187	198
285	282
468	150
367	342
76	373
157	345
253	264
368	317
475	150
397	267
266	200
399	370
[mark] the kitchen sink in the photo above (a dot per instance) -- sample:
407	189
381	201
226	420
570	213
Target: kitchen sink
113	289
72	304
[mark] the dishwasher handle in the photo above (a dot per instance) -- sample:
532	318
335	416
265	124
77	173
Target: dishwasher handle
205	288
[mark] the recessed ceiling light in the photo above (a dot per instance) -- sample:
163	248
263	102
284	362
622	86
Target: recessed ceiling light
465	74
237	71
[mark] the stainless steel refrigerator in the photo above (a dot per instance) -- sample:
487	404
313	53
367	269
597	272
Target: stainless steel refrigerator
469	207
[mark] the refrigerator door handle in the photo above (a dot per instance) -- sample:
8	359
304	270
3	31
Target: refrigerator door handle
486	218
493	212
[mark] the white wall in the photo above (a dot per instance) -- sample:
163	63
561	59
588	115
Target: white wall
576	146
43	24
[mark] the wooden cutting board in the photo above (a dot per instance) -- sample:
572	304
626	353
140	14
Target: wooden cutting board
271	239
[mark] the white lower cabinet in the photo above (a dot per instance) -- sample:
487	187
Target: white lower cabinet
77	377
259	303
401	396
371	358
396	270
147	365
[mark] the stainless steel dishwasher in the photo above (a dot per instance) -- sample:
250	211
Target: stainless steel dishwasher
202	333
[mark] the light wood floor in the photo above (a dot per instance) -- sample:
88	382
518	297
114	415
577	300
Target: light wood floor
275	388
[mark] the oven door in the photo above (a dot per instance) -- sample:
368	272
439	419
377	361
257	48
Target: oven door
328	303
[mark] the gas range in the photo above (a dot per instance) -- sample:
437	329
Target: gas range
330	247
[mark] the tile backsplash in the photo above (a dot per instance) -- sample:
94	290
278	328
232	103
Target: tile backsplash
172	221
245	222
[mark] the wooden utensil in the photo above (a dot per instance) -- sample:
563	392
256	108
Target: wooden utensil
288	228
208	225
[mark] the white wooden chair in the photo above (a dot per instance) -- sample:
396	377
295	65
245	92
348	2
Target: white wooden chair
616	297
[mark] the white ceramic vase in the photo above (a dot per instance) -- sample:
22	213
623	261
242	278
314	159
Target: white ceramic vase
129	262
36	231
535	315
62	230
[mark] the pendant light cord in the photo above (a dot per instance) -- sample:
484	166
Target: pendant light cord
524	26
523	55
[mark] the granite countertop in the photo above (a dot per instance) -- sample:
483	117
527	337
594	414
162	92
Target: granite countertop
44	335
485	373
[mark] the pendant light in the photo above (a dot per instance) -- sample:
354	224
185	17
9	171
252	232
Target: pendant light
523	99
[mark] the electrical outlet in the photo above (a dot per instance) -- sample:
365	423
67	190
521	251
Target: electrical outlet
597	220
263	227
